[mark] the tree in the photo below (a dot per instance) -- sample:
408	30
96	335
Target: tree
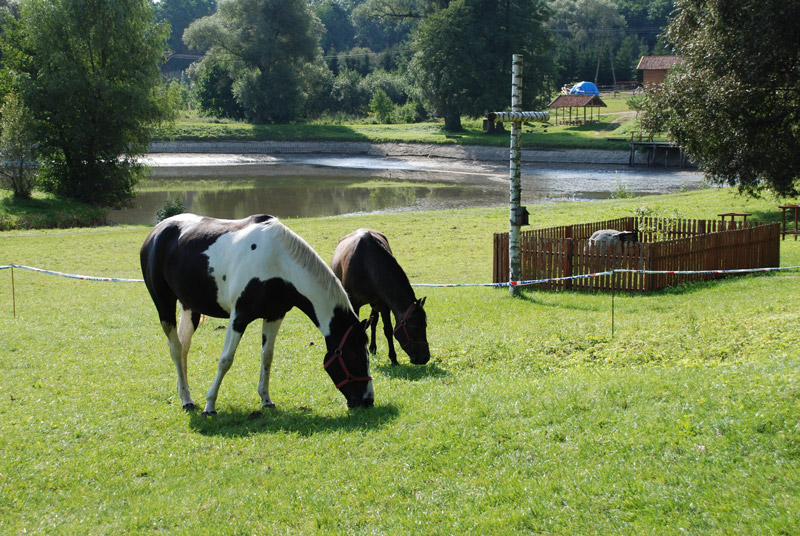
88	71
179	14
589	32
463	56
213	88
382	106
339	30
264	45
734	103
18	150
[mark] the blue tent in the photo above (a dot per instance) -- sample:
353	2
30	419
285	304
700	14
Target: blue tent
584	88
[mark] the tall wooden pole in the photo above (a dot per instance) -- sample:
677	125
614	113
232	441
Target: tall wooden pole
515	188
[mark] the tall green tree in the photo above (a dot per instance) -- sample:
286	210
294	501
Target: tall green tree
588	33
734	103
463	56
339	31
265	45
180	14
88	70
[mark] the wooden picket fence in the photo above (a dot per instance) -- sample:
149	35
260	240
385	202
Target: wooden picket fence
664	245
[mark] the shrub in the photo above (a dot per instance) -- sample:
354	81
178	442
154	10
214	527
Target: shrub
382	106
170	208
17	148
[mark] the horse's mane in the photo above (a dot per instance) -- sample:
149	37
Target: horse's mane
389	258
305	256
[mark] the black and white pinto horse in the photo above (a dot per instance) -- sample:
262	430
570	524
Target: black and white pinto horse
364	263
243	270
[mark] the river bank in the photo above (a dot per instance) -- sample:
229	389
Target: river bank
306	179
465	153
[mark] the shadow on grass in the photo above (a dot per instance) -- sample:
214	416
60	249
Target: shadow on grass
47	212
300	420
409	372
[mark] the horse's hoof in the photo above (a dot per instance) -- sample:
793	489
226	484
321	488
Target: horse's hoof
207	413
268	405
395	363
189	407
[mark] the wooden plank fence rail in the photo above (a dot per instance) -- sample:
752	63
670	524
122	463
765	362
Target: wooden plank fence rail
664	245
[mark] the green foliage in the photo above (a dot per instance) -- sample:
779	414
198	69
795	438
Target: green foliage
636	102
732	104
382	106
317	84
664	220
396	86
172	207
622	191
213	88
339	29
179	14
602	40
410	112
655	117
348	93
88	71
463	65
263	45
18	151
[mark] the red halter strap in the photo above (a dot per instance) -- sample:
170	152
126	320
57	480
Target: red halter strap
402	324
337	354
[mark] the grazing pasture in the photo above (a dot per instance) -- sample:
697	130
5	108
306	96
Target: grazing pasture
529	418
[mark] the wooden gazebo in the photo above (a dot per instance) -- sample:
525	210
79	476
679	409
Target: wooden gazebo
565	102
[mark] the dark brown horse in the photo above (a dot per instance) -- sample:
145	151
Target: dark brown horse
370	274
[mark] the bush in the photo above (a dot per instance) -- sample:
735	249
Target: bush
410	112
169	209
17	148
348	94
382	106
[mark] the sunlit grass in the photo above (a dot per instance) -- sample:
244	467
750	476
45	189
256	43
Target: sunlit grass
605	134
530	418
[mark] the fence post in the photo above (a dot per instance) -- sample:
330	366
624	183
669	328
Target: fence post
13	293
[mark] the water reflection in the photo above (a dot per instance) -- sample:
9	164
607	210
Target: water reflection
297	198
235	186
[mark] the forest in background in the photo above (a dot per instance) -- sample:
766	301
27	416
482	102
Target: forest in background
400	61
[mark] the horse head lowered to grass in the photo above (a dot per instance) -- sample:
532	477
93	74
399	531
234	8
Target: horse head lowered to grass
243	270
364	262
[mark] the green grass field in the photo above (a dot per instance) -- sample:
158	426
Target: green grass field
530	417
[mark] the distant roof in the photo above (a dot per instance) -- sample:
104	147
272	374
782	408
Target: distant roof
657	63
569	101
584	88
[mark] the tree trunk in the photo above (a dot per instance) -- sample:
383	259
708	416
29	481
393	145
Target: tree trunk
452	121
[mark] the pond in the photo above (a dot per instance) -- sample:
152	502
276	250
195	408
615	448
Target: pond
290	186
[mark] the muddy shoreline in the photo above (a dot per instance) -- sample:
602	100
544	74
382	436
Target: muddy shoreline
471	153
